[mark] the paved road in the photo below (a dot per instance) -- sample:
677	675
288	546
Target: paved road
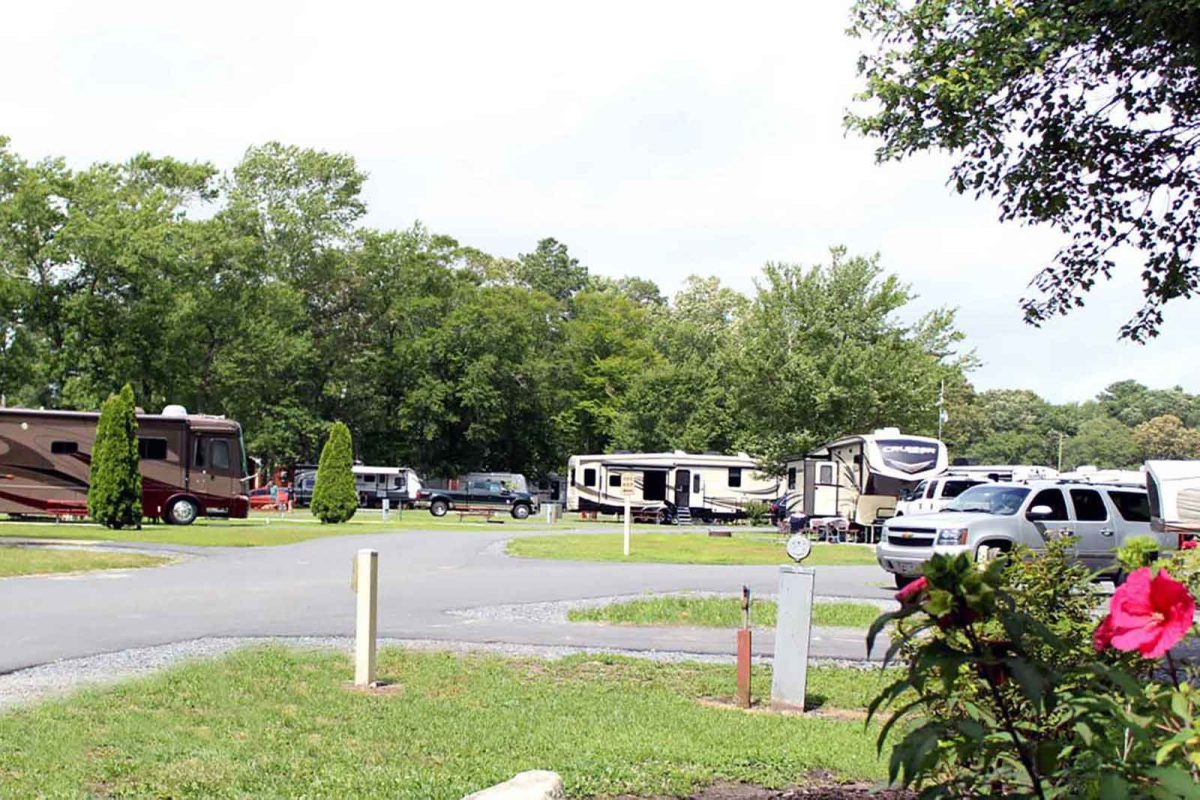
427	580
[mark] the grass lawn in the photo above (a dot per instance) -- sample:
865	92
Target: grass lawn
719	612
40	561
274	722
683	548
259	530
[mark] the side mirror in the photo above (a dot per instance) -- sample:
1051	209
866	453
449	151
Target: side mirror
1040	512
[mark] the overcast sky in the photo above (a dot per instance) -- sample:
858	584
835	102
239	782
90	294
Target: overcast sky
656	139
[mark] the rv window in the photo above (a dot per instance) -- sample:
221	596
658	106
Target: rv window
1133	506
220	455
367	478
589	477
1054	499
735	477
1089	506
696	483
152	449
572	476
825	474
64	448
614	480
791	477
398	482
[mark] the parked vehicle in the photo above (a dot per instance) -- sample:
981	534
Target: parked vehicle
398	485
1174	488
475	494
858	478
934	494
264	498
192	464
509	480
993	518
669	487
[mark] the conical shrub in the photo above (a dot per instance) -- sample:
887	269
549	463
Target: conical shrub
115	483
335	498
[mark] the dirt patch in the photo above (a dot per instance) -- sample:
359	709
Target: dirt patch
822	787
855	715
377	688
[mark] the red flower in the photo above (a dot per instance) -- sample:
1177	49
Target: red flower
1190	544
910	593
1149	613
1102	638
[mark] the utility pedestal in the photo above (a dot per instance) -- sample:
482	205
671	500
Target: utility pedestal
793	631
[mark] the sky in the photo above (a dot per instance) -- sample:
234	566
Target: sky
655	139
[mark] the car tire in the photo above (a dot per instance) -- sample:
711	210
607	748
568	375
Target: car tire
520	511
439	508
903	580
182	511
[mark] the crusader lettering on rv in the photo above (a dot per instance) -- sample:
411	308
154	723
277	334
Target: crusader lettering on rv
908	455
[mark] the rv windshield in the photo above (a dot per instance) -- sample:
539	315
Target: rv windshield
990	499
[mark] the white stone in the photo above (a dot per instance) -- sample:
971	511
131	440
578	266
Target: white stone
538	784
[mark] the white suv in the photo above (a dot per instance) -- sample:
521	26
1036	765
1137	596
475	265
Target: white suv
933	495
994	517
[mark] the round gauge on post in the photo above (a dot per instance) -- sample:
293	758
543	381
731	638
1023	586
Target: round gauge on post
798	547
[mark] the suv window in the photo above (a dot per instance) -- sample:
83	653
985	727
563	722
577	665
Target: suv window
916	491
1132	506
1089	505
955	488
931	489
1054	499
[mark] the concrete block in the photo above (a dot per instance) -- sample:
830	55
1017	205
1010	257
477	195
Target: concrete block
538	784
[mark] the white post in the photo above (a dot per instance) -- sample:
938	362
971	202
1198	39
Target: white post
386	505
793	634
366	585
626	524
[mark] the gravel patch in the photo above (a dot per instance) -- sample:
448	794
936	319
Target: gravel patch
59	678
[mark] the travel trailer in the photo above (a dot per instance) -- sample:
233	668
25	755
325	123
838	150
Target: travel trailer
192	464
1174	489
551	490
859	478
669	487
398	485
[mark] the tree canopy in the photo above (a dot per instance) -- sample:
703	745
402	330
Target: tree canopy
1082	115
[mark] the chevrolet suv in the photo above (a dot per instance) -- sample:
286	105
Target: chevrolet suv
992	518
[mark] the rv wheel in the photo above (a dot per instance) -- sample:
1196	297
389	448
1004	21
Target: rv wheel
182	512
520	511
903	580
438	508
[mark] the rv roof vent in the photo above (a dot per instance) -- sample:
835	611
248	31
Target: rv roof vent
712	452
622	452
887	431
743	454
681	452
174	411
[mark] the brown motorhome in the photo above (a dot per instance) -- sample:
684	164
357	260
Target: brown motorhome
191	464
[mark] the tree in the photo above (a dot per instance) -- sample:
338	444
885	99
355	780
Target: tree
335	498
1166	437
551	269
115	482
1103	442
1082	115
821	353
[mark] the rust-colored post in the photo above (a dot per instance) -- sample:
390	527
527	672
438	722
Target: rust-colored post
743	652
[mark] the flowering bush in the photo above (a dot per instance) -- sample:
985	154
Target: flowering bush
1013	690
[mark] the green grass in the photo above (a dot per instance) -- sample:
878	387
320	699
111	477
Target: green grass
683	548
257	531
274	722
40	561
719	612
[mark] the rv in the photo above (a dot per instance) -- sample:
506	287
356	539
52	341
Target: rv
397	485
859	478
551	490
1174	488
669	487
192	464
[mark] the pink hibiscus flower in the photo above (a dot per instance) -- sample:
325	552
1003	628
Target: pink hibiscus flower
1150	613
912	592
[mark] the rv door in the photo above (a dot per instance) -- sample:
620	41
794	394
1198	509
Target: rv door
214	475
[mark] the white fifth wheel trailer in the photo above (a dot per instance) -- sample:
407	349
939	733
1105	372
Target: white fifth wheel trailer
674	486
1174	492
859	478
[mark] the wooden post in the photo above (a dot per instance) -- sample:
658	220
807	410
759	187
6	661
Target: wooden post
743	652
366	585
